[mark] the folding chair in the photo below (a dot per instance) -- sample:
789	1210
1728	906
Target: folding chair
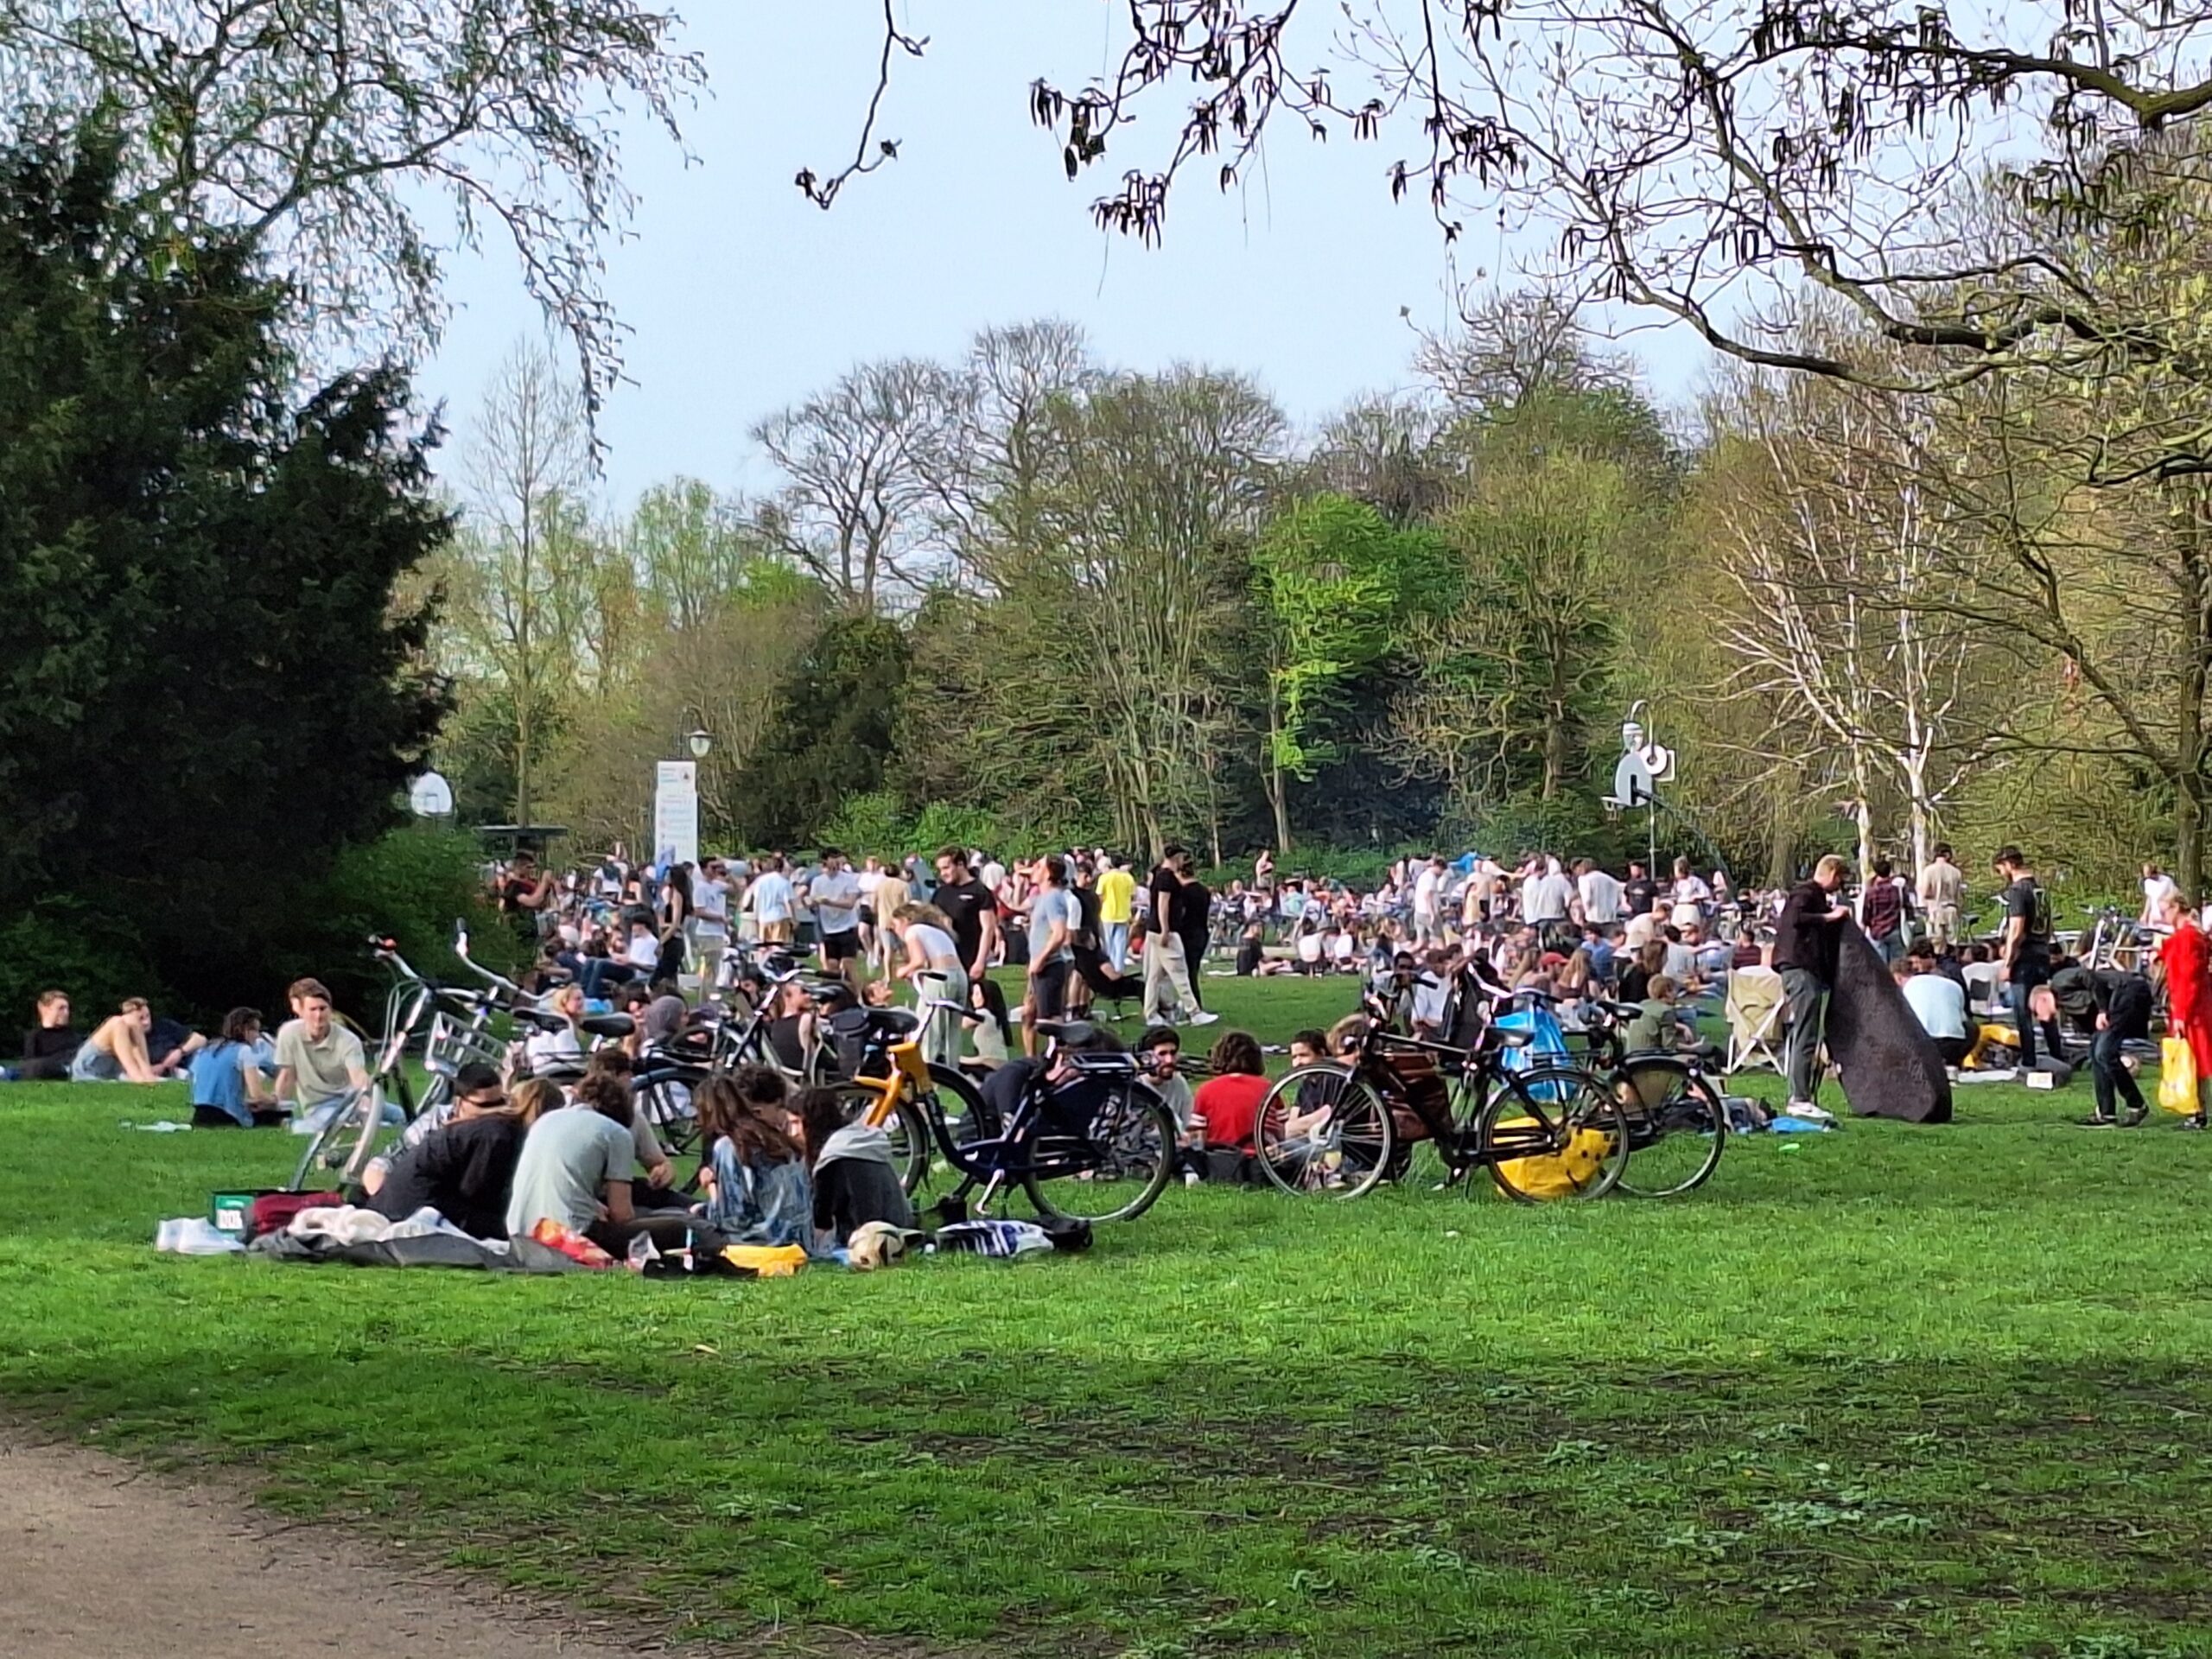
1754	1007
1981	986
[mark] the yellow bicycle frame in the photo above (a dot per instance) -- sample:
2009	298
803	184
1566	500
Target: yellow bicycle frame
907	1066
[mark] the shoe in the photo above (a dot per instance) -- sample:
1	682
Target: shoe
1797	1109
1190	1177
2098	1120
2134	1118
2196	1122
1203	1017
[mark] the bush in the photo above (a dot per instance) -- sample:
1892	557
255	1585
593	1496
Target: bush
873	822
412	885
66	944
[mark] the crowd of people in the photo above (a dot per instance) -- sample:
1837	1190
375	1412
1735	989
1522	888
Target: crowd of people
778	1164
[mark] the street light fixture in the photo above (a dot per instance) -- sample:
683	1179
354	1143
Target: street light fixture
701	741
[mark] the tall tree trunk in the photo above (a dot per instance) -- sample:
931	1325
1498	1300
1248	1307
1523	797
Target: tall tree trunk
1782	834
1278	786
2188	722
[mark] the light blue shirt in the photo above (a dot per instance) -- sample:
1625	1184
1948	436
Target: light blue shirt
1052	905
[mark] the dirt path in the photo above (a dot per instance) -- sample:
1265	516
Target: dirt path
97	1560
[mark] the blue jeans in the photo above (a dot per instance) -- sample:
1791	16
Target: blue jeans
2110	1076
599	972
1118	945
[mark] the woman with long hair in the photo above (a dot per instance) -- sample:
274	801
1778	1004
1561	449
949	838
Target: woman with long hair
855	1179
754	1171
228	1090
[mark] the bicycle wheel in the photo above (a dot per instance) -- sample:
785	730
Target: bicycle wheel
1135	1135
1677	1128
1554	1132
1322	1130
343	1142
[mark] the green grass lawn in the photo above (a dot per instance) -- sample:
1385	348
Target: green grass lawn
1886	1390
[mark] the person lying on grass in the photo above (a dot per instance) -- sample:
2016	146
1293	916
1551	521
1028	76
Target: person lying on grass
466	1172
228	1090
50	1046
854	1180
754	1170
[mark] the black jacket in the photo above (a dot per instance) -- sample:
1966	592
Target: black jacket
2124	1002
1803	936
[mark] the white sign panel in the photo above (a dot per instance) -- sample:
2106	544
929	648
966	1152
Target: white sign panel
676	813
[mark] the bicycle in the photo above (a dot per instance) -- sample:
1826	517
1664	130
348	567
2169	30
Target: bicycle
1097	1145
360	1113
1337	1128
1677	1125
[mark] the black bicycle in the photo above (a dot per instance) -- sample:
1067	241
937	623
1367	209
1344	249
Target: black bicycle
1543	1127
1677	1124
1087	1139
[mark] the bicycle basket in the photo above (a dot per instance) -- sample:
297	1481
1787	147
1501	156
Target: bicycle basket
453	1045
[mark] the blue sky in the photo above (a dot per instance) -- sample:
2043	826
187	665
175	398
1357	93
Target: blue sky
744	297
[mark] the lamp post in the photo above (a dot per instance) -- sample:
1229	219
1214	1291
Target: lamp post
700	741
676	798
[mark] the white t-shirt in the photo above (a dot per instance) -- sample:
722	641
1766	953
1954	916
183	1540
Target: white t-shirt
1601	898
994	874
643	951
1546	898
937	944
1425	887
2157	889
836	900
710	902
771	897
1940	1005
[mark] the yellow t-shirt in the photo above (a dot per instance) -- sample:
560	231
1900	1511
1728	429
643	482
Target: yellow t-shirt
1116	889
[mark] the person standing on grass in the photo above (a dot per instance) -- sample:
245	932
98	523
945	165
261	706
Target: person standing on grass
834	895
1054	920
1116	898
1168	987
971	914
1882	911
2026	948
2186	955
1808	937
1940	889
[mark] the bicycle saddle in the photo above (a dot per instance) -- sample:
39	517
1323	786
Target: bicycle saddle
607	1025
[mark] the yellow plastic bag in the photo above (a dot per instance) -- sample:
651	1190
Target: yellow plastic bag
2177	1076
768	1260
1559	1175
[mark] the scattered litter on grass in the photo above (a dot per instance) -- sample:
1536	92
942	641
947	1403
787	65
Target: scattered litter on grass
161	1126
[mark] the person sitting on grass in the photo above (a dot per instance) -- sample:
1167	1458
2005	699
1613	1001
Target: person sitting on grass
1655	1029
1227	1104
49	1046
575	1169
1159	1052
753	1171
466	1172
116	1051
654	1189
319	1062
850	1165
228	1090
563	1049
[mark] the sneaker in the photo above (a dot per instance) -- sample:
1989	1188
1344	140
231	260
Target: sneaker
1203	1017
1190	1177
2098	1120
2196	1122
1803	1109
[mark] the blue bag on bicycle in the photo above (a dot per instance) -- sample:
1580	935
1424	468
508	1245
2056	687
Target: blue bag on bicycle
1547	1044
